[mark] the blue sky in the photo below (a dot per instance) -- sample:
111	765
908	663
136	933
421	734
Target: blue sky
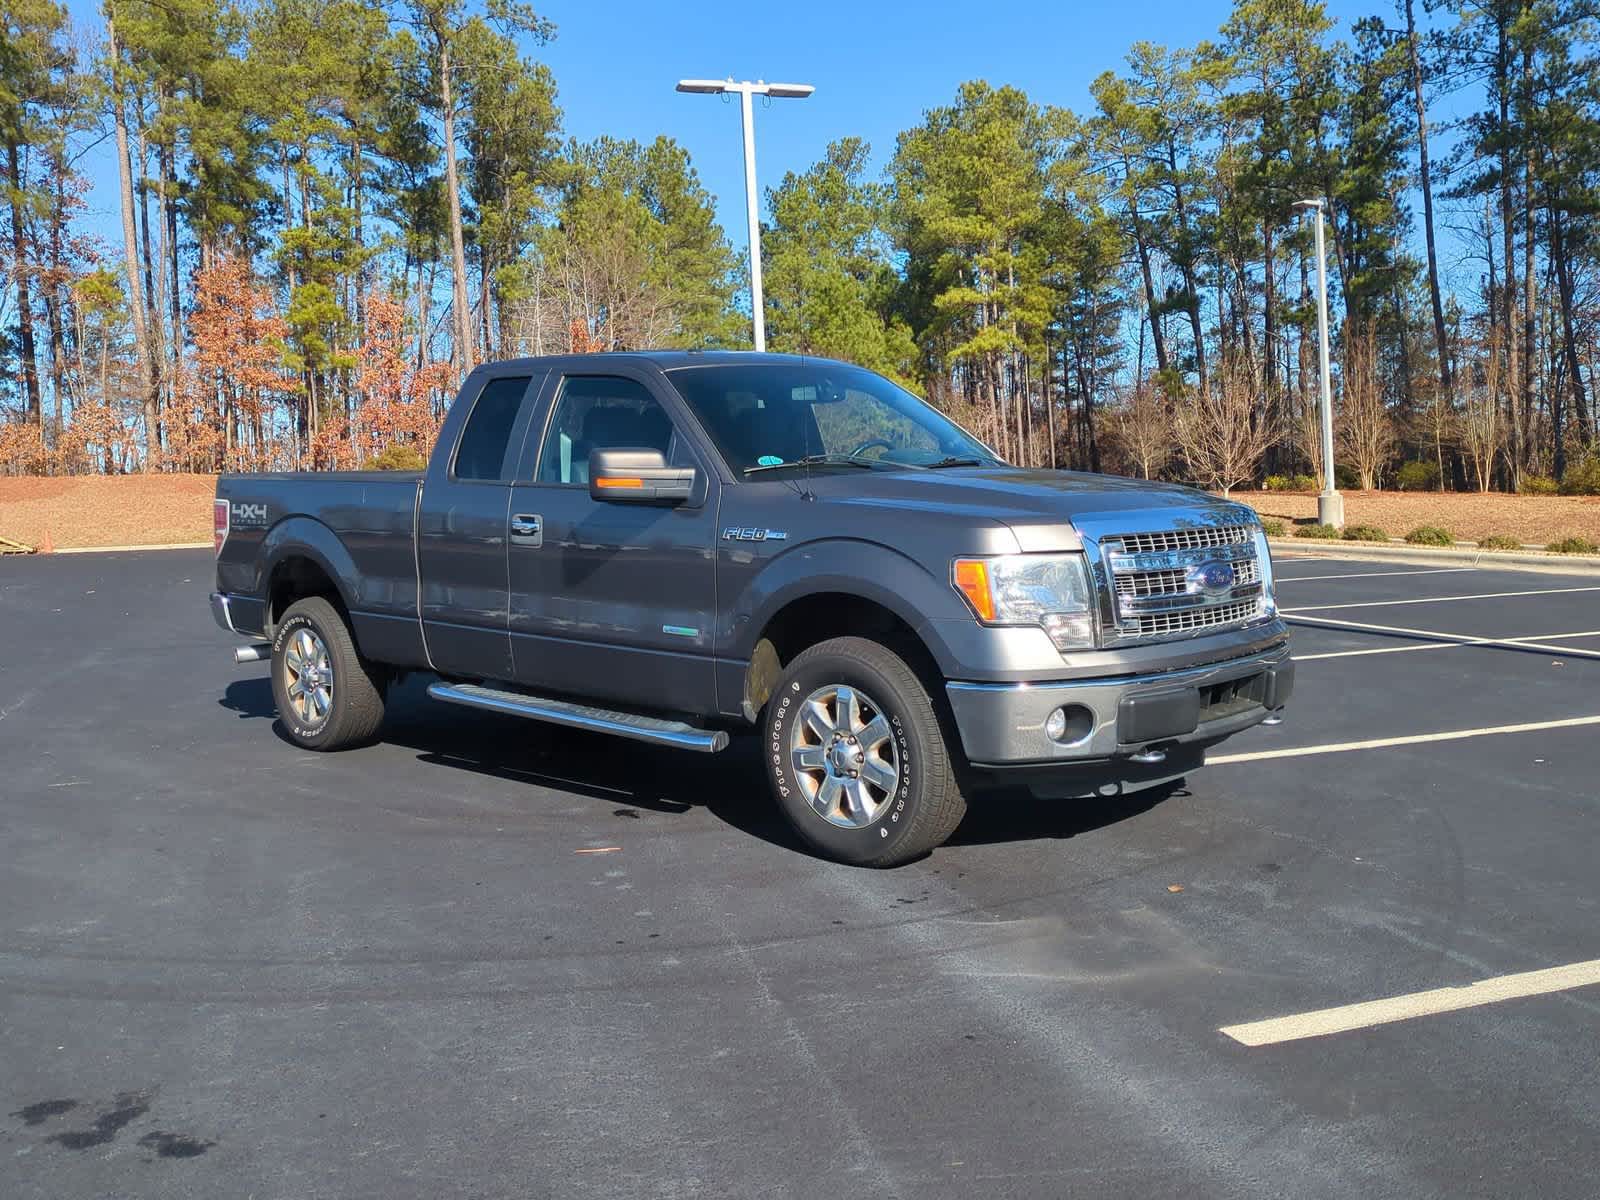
876	68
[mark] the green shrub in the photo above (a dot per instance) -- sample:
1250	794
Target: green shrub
1276	483
1417	476
1573	545
1499	541
1303	483
1327	533
1538	485
1584	479
398	456
1273	528
1364	533
1345	478
1430	535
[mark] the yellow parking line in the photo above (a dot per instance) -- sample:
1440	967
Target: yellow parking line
1373	574
1437	599
1347	1017
1448	641
1416	739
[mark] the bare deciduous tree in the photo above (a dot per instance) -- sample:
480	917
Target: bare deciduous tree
1143	430
1222	430
1481	425
1365	428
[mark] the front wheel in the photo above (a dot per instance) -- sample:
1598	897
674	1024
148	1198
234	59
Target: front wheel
856	757
328	696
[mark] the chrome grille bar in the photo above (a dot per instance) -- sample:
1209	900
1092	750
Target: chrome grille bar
1181	581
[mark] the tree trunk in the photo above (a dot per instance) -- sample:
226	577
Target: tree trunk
136	309
1522	418
1427	203
1580	403
1508	228
20	273
458	254
1156	338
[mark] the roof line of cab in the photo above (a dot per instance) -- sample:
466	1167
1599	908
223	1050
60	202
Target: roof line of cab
665	360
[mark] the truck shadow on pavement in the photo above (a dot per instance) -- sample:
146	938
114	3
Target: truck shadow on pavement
637	779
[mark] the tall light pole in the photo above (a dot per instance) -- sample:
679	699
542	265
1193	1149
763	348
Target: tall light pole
746	89
1330	504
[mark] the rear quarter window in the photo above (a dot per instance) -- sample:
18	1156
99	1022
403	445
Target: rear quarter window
485	445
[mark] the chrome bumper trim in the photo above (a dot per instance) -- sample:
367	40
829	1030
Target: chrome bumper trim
221	613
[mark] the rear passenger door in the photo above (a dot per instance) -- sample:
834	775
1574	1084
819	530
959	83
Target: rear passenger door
612	600
461	523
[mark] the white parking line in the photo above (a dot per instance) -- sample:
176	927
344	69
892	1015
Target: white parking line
1444	641
1417	1004
1415	739
1372	574
1437	599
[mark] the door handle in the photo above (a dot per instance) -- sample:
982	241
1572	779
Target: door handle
527	527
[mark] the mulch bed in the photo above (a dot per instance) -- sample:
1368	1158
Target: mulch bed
143	510
107	510
1470	516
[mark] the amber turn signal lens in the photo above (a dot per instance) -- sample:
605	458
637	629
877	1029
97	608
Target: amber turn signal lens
972	577
605	482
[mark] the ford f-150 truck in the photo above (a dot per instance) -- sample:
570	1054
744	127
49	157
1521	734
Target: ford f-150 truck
677	546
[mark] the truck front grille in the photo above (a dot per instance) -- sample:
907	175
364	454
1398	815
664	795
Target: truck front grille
1168	583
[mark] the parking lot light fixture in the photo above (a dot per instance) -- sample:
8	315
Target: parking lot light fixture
746	89
1330	504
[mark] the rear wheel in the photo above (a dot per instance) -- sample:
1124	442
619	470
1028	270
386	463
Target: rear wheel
328	696
856	757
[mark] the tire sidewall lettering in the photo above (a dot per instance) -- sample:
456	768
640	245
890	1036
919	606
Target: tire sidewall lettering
784	711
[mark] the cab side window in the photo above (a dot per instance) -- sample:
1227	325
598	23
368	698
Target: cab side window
600	412
485	442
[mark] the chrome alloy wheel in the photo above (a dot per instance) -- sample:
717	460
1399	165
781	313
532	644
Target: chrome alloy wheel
310	676
844	756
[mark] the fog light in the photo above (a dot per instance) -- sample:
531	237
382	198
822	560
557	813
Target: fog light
1069	725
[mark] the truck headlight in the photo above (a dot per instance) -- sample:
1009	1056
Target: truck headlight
1051	591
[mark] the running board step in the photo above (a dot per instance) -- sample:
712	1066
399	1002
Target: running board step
655	730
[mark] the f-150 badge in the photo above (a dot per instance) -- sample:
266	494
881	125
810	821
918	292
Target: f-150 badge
735	534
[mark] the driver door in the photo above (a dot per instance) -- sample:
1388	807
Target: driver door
612	600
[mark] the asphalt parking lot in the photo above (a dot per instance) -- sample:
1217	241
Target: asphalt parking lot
486	958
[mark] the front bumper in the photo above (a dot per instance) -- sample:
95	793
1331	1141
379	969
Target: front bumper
1003	724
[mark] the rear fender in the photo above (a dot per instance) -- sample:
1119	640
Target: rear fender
306	537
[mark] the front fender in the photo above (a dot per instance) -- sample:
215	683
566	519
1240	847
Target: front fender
854	567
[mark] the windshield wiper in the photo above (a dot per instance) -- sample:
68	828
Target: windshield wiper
814	460
952	461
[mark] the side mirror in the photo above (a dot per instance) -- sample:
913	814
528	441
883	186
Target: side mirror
638	475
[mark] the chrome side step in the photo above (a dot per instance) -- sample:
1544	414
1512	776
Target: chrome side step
655	730
255	652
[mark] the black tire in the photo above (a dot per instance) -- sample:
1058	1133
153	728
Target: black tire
925	805
356	694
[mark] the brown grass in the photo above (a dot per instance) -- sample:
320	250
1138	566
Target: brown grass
102	510
1534	520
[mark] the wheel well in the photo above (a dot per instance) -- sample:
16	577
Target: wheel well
823	615
295	578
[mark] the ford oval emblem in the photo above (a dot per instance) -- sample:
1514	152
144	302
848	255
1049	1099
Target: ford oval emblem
1213	578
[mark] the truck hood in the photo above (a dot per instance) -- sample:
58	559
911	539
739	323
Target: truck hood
1039	506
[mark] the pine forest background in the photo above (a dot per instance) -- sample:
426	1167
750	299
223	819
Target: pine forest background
330	210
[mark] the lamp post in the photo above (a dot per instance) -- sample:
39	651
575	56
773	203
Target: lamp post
1330	504
746	89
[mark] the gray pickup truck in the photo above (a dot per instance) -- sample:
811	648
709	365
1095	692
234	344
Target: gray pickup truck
674	547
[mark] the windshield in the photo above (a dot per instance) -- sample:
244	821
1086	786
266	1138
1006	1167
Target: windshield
768	415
